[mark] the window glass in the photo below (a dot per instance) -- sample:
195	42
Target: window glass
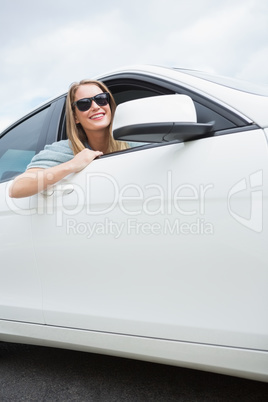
19	145
206	111
131	94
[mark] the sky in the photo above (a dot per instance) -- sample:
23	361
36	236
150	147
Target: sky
47	45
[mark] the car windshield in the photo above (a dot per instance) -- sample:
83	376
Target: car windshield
234	83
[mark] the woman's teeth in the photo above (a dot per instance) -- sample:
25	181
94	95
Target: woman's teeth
97	116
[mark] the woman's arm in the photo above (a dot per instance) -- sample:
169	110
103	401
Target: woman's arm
37	179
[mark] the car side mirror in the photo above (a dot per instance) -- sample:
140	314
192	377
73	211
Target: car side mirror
161	118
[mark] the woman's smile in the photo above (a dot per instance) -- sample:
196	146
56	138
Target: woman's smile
97	116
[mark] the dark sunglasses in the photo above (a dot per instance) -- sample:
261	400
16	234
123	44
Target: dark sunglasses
85	104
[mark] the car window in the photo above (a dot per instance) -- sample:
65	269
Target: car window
126	89
20	144
126	94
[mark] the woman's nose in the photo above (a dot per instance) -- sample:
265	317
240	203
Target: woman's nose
94	105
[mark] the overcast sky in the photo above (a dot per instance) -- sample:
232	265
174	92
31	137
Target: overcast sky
47	45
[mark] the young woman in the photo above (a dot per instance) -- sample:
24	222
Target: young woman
90	110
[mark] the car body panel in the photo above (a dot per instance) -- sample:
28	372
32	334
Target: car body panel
250	105
141	288
238	362
156	253
20	286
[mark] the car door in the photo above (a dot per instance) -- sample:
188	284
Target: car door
165	241
20	286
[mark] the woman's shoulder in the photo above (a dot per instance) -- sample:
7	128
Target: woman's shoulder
63	145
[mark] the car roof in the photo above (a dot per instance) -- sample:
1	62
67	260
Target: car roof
243	97
252	106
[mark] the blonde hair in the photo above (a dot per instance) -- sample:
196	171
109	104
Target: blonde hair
75	132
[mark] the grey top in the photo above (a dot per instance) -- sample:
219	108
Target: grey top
52	155
58	152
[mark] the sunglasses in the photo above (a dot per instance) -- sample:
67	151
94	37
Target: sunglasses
85	104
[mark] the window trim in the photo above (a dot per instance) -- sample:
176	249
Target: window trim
144	80
42	140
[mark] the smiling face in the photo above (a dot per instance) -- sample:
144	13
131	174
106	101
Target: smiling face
97	118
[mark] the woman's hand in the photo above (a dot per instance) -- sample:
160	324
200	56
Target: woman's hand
82	159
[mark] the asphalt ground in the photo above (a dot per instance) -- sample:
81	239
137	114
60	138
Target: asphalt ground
31	373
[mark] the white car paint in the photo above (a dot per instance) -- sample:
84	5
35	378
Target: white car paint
157	254
151	266
20	287
249	104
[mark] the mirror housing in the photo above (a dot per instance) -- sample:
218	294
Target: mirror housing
161	118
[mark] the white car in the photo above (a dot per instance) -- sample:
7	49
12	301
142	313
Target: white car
158	252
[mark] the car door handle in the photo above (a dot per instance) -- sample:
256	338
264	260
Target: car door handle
59	189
